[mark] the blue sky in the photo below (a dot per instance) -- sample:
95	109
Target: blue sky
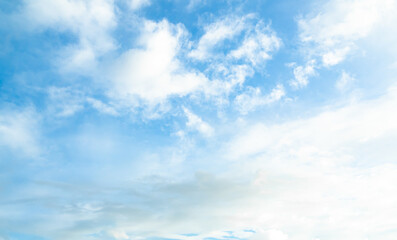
198	120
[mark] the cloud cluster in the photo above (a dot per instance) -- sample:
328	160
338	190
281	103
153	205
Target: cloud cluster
233	48
90	21
152	72
156	69
323	173
257	46
333	31
302	179
249	40
302	74
335	28
218	32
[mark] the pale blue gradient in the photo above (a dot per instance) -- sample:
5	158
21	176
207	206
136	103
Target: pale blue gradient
79	160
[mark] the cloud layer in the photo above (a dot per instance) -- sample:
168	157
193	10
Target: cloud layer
198	120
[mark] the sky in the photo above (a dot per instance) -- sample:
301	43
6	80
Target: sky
198	119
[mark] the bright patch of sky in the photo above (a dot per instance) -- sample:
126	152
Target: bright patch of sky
197	120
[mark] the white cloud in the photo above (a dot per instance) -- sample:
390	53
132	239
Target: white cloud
194	122
325	175
318	176
344	82
90	21
252	42
253	98
216	33
19	132
335	56
102	107
334	29
326	133
234	48
67	101
194	3
137	4
225	79
302	74
153	72
64	102
340	154
257	46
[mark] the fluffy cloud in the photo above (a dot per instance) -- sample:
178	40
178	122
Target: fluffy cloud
302	74
257	45
155	70
152	72
90	21
231	49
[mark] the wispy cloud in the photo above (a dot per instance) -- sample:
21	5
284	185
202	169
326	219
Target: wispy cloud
196	123
65	101
19	132
217	32
137	4
253	98
345	82
326	133
133	119
90	21
332	31
102	107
